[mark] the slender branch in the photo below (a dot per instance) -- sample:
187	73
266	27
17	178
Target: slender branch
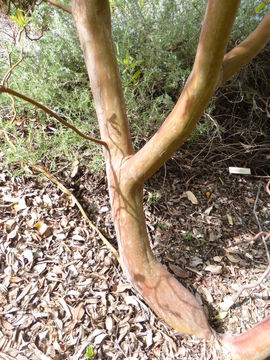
197	92
12	67
60	6
51	113
242	54
93	22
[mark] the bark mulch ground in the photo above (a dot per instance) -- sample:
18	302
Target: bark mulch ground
62	292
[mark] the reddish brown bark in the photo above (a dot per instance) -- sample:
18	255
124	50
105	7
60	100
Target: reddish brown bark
60	6
241	55
254	344
126	171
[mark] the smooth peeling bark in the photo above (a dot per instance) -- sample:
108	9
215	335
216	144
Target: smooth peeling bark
242	54
163	293
168	298
252	345
196	94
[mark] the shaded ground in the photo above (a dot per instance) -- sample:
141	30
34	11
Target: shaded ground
61	291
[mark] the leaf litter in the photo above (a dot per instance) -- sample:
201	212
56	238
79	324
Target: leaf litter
62	291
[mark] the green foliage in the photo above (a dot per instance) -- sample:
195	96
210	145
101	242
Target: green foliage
152	197
188	236
20	19
162	226
52	73
261	6
90	354
155	44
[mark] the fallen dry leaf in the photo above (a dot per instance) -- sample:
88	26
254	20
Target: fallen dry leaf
192	198
178	271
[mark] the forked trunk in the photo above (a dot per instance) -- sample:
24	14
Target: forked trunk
126	171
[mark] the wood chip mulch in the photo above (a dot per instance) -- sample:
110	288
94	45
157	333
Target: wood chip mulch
62	292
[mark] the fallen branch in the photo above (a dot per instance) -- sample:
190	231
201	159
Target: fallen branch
67	192
4	89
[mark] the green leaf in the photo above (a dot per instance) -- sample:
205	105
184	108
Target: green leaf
141	3
20	16
14	18
162	226
20	19
260	7
135	77
90	354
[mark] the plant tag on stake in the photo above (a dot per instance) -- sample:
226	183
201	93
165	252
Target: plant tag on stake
238	170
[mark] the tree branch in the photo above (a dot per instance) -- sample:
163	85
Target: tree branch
242	54
197	92
93	22
60	6
51	113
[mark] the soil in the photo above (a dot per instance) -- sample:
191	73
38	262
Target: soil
62	292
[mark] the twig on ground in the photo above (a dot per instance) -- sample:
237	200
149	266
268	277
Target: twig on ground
67	192
259	224
264	236
252	285
3	89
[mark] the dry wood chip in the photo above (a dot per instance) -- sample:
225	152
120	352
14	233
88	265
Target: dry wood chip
204	291
77	314
149	338
226	303
217	258
233	258
131	300
24	292
214	269
40	355
40	267
66	309
99	339
43	229
109	323
230	219
20	205
121	287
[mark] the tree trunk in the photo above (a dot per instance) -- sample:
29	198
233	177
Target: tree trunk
126	171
